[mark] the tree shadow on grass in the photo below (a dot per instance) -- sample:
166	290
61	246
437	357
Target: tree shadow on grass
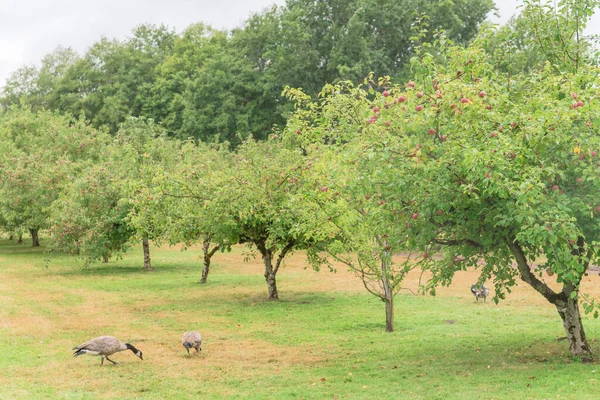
100	269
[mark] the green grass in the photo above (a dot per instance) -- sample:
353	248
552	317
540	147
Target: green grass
314	343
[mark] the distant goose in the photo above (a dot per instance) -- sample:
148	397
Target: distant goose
104	346
480	291
191	340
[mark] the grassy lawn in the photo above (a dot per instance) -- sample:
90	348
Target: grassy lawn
325	339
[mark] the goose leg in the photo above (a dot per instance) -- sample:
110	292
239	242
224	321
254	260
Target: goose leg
102	360
188	350
111	360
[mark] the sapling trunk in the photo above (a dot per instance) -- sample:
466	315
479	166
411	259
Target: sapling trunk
208	253
147	260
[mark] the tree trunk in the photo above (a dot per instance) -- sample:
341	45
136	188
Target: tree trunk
389	314
35	240
105	258
270	271
388	297
147	261
20	241
569	313
207	257
11	237
567	306
270	276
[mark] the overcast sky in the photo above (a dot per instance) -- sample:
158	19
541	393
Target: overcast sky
29	29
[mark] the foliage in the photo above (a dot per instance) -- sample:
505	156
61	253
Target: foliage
493	169
213	85
32	177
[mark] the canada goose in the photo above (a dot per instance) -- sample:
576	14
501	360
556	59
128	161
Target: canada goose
480	291
104	346
191	340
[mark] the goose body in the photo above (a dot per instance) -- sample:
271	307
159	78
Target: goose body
480	291
191	340
104	346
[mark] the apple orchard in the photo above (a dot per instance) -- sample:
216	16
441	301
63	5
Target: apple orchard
486	157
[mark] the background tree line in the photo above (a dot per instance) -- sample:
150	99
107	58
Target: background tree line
215	85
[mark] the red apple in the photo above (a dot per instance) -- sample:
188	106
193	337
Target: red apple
488	107
387	123
555	187
575	96
419	107
401	99
439	211
425	255
411	84
580	103
386	93
594	154
431	131
324	189
464	100
579	180
482	94
415	216
493	134
299	132
376	109
419	94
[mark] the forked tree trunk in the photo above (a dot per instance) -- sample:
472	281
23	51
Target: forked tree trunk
270	275
270	271
208	253
567	306
568	309
147	260
35	240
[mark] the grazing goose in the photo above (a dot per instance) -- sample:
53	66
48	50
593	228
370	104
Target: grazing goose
191	340
104	346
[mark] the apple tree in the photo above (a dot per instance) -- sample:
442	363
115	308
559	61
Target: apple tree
494	171
258	205
181	201
40	153
355	206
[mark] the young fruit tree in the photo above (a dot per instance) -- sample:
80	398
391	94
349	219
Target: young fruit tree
40	154
351	206
496	171
182	202
258	203
90	216
144	149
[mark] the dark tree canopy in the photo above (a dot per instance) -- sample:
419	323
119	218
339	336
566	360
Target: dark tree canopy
213	85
